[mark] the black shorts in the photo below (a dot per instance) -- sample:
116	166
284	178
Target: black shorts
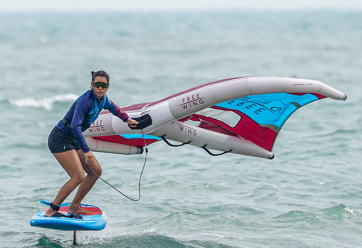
59	141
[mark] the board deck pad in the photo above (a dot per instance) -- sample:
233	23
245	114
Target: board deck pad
96	220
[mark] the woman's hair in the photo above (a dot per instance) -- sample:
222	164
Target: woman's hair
100	73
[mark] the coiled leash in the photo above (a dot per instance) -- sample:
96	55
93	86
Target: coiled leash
143	122
139	180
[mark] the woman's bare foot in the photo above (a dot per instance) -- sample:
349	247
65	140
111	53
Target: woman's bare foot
78	210
50	212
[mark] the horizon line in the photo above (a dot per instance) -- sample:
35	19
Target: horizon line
311	8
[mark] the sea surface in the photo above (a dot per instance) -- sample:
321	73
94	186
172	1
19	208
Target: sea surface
310	195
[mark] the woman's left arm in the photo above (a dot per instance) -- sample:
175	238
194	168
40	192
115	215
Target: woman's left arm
117	111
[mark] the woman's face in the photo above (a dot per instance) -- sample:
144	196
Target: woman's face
100	91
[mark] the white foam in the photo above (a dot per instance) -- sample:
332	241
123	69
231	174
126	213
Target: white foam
46	103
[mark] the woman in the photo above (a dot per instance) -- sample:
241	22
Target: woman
67	144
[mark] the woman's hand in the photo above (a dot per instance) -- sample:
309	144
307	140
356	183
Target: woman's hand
89	158
132	123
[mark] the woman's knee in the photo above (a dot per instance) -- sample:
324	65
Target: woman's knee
97	171
78	178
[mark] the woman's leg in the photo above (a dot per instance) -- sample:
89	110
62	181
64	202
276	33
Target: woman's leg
71	163
94	171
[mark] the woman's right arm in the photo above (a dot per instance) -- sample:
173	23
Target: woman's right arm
81	109
79	114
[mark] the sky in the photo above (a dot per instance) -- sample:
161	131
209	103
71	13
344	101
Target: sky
149	5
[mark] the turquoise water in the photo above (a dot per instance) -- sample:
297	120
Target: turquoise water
308	196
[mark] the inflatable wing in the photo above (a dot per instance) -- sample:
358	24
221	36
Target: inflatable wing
238	115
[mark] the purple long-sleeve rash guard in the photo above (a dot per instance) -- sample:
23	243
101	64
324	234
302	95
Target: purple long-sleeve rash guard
84	112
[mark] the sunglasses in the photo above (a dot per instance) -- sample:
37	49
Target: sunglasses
100	84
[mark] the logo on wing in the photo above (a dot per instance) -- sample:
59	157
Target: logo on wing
192	101
186	129
97	127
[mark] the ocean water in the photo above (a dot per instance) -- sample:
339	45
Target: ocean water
308	196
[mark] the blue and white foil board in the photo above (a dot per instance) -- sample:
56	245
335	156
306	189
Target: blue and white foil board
95	221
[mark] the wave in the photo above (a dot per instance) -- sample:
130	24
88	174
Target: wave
337	212
47	242
150	240
45	103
